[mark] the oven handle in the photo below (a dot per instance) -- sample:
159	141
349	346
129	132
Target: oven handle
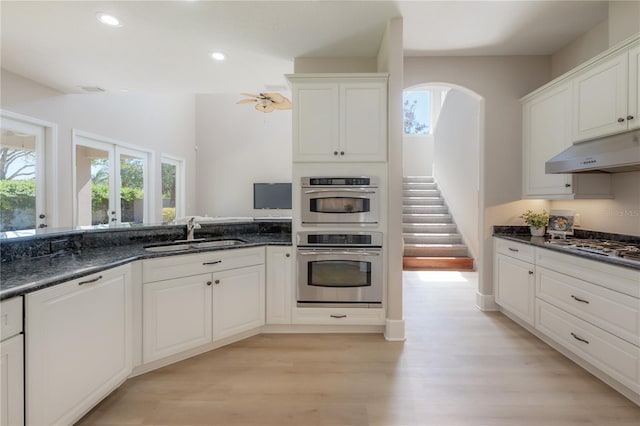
331	253
324	191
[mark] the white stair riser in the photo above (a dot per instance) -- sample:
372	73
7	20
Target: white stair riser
432	239
453	251
424	209
420	185
417	179
423	201
421	193
424	228
426	218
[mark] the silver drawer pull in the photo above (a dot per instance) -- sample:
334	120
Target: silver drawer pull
579	338
579	300
215	262
90	281
338	315
512	249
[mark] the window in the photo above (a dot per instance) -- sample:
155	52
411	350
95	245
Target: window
172	188
417	112
23	184
112	184
421	109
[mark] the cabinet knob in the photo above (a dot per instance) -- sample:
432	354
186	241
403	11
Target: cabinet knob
209	283
335	152
620	120
629	117
287	255
217	281
567	185
530	272
41	216
341	152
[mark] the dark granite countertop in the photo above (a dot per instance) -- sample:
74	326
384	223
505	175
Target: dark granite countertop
543	242
21	276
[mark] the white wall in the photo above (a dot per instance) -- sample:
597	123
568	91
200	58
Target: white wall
585	47
501	81
334	64
162	123
237	146
456	159
624	20
417	155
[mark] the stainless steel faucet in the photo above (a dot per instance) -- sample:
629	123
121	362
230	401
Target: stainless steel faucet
192	225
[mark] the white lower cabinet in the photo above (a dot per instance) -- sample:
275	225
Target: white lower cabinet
176	315
238	301
514	279
589	308
280	292
11	363
185	312
78	345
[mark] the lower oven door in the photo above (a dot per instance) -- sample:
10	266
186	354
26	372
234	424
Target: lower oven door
340	275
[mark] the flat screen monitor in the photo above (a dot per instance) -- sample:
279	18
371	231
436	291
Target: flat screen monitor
272	195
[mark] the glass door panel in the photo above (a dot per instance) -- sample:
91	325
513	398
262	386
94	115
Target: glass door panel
94	184
131	185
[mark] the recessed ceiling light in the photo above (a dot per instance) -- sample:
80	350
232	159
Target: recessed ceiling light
218	56
107	19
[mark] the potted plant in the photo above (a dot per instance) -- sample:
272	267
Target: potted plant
537	222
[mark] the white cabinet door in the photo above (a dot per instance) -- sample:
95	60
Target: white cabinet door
547	132
600	99
316	122
78	345
279	285
363	121
12	381
514	287
176	316
238	301
633	113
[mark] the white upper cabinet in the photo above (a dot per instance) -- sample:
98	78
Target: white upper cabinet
605	99
546	133
634	88
339	117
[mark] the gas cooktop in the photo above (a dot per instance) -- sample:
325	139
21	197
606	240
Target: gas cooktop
623	251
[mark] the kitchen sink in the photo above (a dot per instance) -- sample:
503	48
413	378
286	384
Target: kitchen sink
195	245
218	243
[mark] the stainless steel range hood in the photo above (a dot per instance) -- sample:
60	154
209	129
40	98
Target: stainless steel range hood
613	154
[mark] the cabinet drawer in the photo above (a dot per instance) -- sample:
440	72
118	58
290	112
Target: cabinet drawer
524	252
615	312
613	277
614	356
339	316
10	317
201	263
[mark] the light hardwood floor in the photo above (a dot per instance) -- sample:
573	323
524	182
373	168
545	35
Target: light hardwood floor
458	366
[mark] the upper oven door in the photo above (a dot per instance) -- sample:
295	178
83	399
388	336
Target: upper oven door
339	205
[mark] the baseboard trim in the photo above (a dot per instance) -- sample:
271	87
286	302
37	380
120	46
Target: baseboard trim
486	302
394	331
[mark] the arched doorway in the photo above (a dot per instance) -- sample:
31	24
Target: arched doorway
452	151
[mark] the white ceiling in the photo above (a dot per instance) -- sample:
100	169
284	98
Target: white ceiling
165	46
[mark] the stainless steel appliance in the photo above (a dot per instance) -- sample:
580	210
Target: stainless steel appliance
340	269
339	200
612	154
623	252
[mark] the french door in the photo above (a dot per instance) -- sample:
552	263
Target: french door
23	190
111	182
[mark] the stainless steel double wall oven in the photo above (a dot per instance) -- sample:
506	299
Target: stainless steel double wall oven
341	267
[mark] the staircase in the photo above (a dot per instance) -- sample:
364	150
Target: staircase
431	238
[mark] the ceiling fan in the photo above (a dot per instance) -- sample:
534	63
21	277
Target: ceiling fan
267	102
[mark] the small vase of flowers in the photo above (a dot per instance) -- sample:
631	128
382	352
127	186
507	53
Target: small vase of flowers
537	222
